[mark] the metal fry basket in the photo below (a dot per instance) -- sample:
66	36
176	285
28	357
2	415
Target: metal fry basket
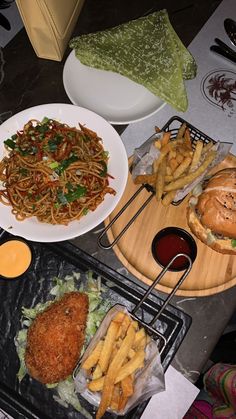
149	325
172	126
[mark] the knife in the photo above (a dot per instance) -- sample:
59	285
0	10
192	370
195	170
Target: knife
230	55
4	22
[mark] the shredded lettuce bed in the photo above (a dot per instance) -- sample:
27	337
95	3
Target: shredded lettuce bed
97	309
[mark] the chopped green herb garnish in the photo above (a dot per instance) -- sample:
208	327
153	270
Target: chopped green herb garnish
23	171
27	151
86	138
72	195
54	165
45	120
10	143
66	163
71	134
105	154
61	198
54	142
23	152
69	186
77	193
42	128
104	171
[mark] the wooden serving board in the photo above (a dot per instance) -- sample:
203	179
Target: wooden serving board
212	272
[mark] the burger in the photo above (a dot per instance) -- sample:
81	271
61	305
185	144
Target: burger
211	213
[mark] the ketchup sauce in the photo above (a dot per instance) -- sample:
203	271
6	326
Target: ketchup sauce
171	241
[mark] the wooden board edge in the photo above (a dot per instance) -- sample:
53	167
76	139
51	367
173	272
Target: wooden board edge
206	292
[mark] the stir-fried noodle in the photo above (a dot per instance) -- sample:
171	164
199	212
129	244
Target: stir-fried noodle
54	172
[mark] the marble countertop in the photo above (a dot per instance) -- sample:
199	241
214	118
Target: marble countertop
26	80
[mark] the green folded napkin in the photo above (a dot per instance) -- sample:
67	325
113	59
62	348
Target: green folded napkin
146	50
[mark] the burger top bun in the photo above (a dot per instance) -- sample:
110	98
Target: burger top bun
217	204
213	217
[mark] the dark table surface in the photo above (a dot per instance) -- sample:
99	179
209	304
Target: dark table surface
26	80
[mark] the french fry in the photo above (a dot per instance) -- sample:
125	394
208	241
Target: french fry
207	147
168	198
187	138
135	324
166	149
160	180
158	144
156	165
172	145
128	368
116	397
124	326
173	164
141	344
139	336
96	385
110	337
184	180
116	383
169	178
196	156
131	353
142	179
172	154
97	373
181	131
131	366
183	149
114	366
179	158
182	167
123	401
119	317
127	388
93	357
165	138
168	170
115	350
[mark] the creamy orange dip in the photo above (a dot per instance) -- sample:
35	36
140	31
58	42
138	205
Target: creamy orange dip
15	258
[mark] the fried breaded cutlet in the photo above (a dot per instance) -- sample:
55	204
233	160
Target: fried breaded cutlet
56	337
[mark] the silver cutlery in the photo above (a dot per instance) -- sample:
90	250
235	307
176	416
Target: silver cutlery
230	29
224	50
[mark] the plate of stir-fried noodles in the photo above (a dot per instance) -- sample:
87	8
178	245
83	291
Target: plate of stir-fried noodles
63	169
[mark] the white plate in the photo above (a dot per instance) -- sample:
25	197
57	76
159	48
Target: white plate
31	228
118	99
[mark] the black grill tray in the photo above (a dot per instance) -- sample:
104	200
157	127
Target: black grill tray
30	399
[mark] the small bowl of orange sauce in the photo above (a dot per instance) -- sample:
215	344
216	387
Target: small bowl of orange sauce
171	241
15	258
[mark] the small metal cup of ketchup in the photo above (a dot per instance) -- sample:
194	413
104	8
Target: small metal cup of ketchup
171	241
15	258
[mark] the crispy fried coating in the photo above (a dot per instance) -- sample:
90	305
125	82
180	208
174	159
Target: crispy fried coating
56	337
